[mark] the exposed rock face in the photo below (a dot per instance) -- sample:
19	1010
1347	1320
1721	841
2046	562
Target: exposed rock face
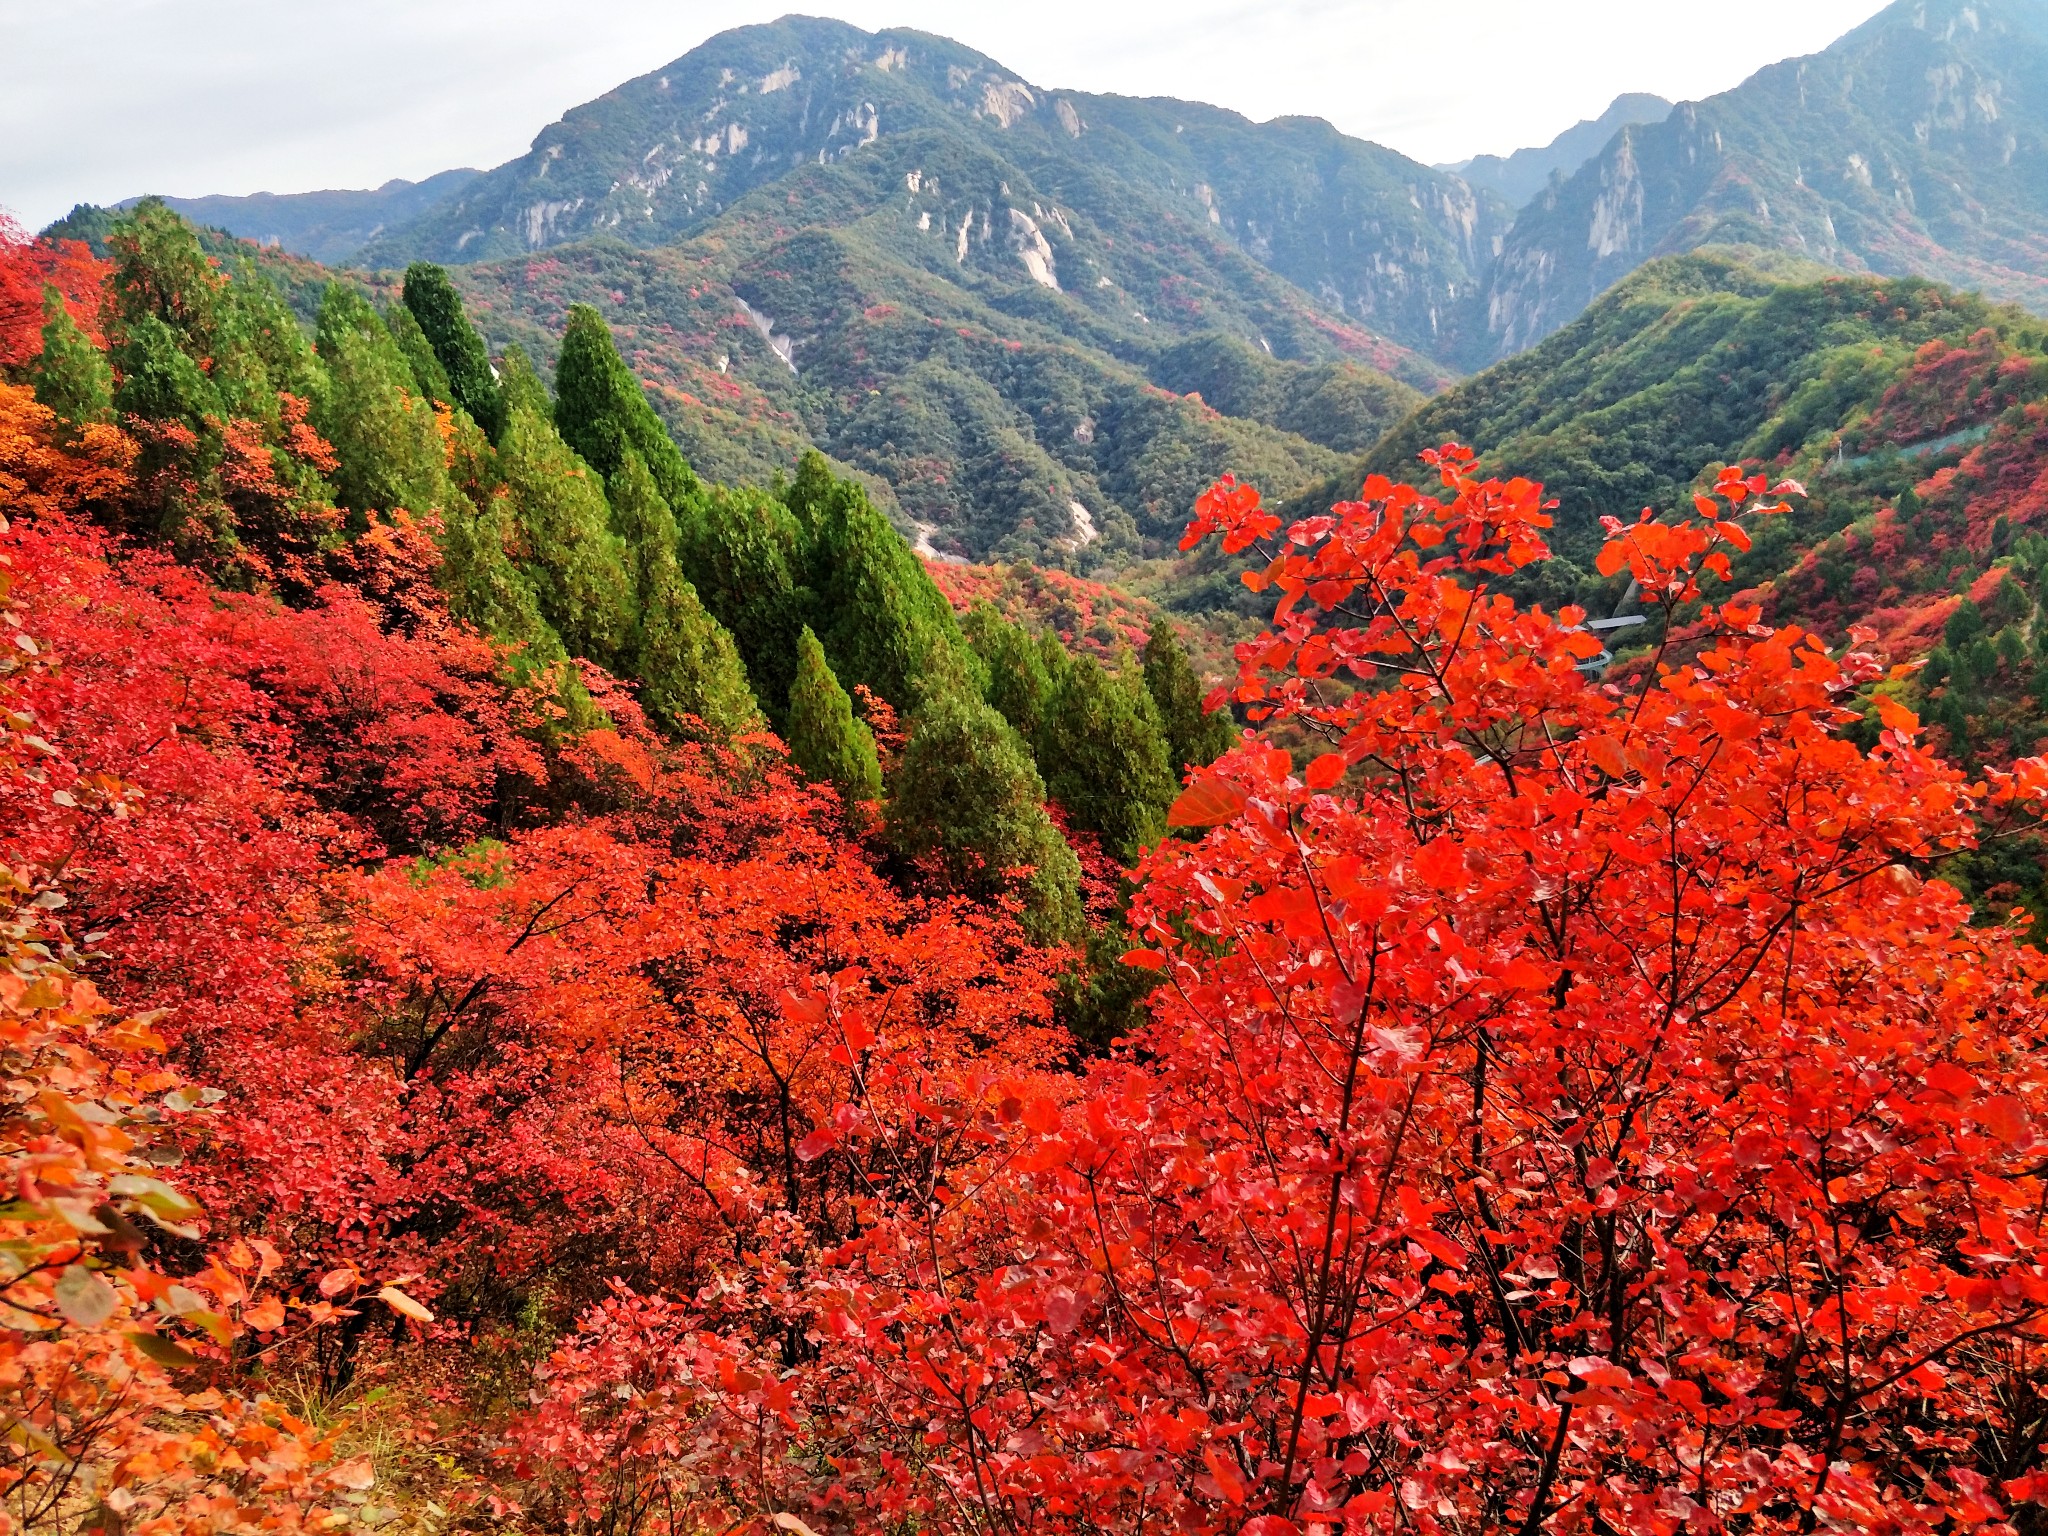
1385	244
1917	143
1518	177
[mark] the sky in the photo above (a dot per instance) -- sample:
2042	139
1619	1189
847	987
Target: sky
107	99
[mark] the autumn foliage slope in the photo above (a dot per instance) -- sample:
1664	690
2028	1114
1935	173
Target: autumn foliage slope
1563	1106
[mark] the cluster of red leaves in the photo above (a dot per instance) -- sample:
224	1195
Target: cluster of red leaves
582	1032
1088	616
27	267
1567	1108
1946	388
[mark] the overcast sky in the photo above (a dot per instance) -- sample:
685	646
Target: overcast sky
108	98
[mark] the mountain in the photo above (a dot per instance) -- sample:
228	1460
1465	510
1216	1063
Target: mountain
1379	240
327	226
1915	415
998	416
1520	176
1916	143
1036	324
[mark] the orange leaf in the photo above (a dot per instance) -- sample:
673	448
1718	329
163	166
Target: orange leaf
1208	802
1227	1481
1440	863
1896	716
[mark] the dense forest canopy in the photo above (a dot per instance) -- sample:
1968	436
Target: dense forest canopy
568	970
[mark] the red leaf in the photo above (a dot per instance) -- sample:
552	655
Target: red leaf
1325	770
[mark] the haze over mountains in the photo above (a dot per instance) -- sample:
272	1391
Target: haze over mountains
329	226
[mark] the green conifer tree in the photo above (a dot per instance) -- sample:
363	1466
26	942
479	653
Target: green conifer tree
434	303
180	472
885	622
602	412
427	372
967	799
268	330
739	548
1018	684
825	740
576	563
71	376
1104	757
691	679
520	385
370	408
485	588
1194	737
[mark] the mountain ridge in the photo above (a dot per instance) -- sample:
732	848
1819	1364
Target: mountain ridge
1917	142
329	225
1519	176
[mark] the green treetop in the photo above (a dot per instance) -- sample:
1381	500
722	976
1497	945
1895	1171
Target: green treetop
1194	738
967	800
825	739
885	622
602	412
433	302
691	679
370	408
521	385
71	375
427	371
1018	683
576	563
1105	757
739	548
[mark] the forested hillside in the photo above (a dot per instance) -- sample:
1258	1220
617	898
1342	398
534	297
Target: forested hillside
544	992
1916	145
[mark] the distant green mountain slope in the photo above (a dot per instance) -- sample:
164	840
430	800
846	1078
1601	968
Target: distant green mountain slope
1003	416
1379	241
1716	357
327	226
1917	143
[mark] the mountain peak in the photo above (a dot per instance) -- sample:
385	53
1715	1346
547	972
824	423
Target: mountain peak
1917	143
1520	176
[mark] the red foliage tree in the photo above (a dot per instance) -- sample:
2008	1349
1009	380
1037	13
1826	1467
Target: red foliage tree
1568	1109
27	267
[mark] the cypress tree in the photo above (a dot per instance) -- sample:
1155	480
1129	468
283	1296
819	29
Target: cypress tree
427	373
1018	684
433	302
71	376
268	330
486	589
886	624
370	408
739	548
179	472
576	563
1194	737
1105	757
602	412
521	387
825	740
967	799
691	680
160	270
